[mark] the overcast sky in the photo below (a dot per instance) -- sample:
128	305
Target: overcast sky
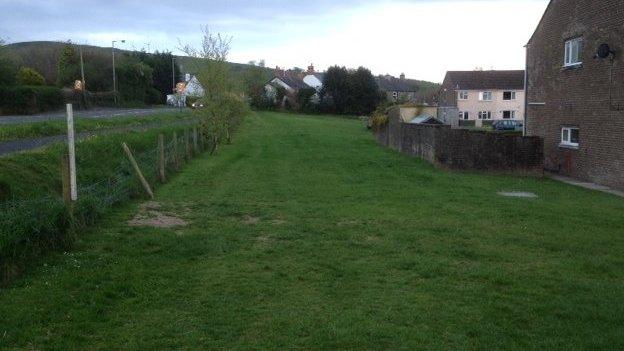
423	38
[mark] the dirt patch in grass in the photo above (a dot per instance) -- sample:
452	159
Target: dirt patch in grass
151	215
251	220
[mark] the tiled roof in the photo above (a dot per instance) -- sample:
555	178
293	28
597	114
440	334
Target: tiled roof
389	83
477	80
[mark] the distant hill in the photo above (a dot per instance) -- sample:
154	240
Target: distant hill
43	56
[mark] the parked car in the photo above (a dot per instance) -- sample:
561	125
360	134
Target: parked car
508	124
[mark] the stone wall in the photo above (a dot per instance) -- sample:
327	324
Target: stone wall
462	149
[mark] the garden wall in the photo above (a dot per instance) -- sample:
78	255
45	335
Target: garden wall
462	149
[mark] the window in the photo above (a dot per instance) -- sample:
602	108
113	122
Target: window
573	50
570	136
463	95
509	114
485	115
509	95
395	95
485	96
464	115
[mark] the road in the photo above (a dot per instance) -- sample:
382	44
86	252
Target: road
12	146
95	113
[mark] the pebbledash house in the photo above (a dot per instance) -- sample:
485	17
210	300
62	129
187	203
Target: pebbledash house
575	89
484	96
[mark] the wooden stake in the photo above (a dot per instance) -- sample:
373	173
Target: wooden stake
176	165
161	158
139	174
71	144
195	141
187	145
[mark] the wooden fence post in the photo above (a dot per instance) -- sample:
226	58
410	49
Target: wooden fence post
176	165
195	141
137	170
66	181
187	145
161	158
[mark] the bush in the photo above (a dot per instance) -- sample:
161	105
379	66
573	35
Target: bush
28	76
29	99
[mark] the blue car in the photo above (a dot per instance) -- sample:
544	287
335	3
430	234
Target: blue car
507	124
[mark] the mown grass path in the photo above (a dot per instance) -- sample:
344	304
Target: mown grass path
305	234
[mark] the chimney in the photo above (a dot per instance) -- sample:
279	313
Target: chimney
279	72
402	76
311	69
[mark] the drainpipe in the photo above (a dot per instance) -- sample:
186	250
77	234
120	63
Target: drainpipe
526	90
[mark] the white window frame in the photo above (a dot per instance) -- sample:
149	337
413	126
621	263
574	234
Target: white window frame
573	52
464	115
513	95
566	137
395	95
485	115
483	94
512	114
463	95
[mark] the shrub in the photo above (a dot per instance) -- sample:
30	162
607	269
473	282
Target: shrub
304	98
378	120
29	99
28	76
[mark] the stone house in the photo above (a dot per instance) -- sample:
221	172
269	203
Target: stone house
292	82
575	89
484	95
398	90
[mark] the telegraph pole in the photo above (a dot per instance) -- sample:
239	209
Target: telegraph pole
114	76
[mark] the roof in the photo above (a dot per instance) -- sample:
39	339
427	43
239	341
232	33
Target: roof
389	83
425	119
292	81
477	80
540	22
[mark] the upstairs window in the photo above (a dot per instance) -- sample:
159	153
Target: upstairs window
573	51
485	96
570	136
463	95
485	115
509	95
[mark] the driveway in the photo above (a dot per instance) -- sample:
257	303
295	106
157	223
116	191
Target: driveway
90	114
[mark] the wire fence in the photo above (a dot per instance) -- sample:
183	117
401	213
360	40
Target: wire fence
30	227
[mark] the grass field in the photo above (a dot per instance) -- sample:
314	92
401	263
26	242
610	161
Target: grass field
304	234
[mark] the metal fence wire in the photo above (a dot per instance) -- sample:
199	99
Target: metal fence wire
29	227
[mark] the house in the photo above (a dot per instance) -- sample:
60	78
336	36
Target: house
190	87
293	81
575	90
398	89
484	95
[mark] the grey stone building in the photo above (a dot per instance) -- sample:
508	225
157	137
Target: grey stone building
575	89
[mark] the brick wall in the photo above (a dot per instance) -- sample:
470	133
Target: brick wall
590	97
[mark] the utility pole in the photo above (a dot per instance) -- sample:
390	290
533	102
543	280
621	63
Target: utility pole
173	80
84	84
114	76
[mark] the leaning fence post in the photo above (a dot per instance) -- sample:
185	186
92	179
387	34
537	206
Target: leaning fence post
187	145
161	158
137	170
175	151
195	144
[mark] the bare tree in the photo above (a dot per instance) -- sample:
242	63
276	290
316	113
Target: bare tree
213	46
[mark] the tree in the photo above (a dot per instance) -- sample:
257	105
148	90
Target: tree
304	99
28	76
363	92
254	80
162	69
8	69
335	89
135	81
68	66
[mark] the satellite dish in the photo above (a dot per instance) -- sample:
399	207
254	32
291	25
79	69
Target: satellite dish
604	51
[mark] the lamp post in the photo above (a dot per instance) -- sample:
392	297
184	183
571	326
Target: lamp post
114	76
173	80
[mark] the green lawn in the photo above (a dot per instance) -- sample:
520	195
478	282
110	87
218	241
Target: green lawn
306	235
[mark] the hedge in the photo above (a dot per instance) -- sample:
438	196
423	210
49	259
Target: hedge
29	99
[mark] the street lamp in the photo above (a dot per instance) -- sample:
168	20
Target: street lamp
114	76
173	80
